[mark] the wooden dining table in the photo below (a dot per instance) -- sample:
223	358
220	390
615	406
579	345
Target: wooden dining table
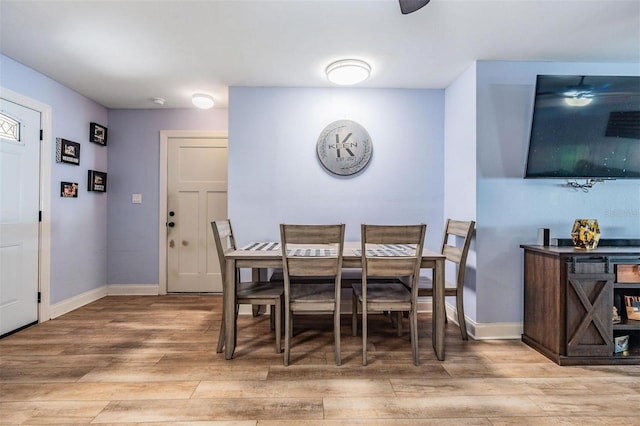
258	256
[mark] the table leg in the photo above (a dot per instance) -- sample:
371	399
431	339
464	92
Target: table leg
229	300
439	312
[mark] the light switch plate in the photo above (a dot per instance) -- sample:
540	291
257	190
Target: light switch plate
136	198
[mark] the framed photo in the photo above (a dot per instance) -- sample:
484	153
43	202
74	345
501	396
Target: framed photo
97	181
633	307
620	344
67	152
69	189
98	134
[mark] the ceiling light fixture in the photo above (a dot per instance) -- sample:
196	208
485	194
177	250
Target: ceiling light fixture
348	71
202	100
159	101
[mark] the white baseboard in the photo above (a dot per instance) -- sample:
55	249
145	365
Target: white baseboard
132	289
85	298
486	331
76	302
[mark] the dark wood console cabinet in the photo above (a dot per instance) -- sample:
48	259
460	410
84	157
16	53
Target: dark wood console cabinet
569	295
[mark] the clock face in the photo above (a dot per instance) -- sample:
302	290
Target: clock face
344	147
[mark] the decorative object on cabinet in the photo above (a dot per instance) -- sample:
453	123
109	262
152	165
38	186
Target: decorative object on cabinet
97	181
67	152
616	316
585	233
69	189
98	134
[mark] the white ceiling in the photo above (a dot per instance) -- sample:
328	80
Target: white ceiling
123	53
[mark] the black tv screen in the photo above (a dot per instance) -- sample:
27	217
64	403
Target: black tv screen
585	127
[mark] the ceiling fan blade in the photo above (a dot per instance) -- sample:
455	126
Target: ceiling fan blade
410	6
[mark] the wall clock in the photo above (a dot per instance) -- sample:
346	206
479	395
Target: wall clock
344	147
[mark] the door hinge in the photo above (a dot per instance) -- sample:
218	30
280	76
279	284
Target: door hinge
41	135
40	216
39	297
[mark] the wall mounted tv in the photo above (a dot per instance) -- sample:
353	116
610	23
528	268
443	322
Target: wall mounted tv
585	126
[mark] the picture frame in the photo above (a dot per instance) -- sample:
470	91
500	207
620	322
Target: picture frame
69	189
97	181
97	134
67	152
633	307
621	344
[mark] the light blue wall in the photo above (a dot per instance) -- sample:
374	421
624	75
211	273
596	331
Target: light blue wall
134	161
460	171
275	176
509	208
78	225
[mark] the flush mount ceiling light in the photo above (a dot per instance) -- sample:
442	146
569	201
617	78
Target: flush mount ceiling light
348	71
202	100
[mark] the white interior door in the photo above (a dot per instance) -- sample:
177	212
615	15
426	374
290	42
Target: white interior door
19	212
196	195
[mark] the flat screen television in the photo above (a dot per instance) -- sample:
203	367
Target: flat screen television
585	127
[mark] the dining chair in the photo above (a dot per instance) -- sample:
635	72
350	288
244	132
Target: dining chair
311	251
455	252
247	293
388	251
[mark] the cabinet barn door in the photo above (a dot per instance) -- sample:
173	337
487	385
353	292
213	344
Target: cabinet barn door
590	314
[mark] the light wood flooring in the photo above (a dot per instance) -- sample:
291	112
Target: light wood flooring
152	360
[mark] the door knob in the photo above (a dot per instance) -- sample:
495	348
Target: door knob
171	224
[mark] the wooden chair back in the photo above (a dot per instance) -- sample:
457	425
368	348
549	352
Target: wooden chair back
322	237
457	253
398	236
225	242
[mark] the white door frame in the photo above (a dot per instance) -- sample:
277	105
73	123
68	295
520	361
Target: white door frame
165	135
44	243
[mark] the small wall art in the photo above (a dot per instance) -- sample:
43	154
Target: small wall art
67	152
69	189
97	181
98	134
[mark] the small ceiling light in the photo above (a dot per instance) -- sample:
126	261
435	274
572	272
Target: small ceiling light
159	101
348	71
202	100
578	101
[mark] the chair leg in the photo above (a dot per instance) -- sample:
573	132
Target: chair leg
336	333
354	314
220	346
399	322
287	335
364	334
413	318
461	321
272	322
276	315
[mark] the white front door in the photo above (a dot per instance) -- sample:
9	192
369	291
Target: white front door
196	195
19	215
